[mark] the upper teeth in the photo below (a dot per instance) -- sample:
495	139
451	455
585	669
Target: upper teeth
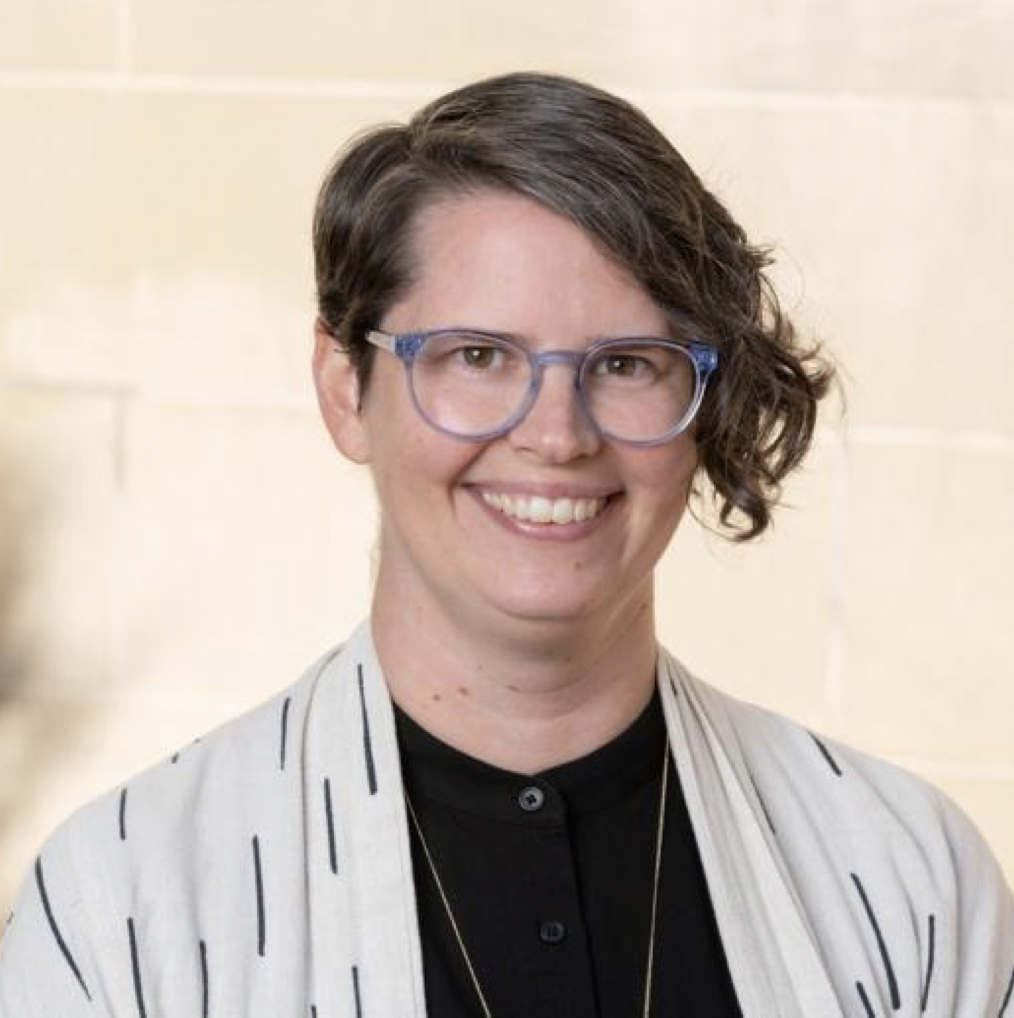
538	509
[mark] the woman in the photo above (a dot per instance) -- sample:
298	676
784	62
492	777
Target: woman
499	796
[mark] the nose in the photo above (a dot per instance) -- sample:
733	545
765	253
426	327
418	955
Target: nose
556	427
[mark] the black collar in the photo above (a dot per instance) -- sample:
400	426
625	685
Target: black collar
434	770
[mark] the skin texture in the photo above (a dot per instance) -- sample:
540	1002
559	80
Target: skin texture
515	644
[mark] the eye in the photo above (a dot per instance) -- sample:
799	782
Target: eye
620	364
623	365
480	357
468	355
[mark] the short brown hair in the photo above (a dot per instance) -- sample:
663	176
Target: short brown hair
596	159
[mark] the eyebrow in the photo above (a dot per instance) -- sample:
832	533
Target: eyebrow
528	343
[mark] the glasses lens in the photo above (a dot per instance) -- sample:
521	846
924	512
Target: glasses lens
468	384
639	390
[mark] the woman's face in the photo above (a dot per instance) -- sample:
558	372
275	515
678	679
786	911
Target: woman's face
497	261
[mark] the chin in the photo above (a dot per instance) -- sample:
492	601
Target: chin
551	608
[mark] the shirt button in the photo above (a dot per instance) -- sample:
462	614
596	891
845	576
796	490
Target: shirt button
531	799
552	931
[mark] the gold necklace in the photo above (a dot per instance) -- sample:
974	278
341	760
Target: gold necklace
654	895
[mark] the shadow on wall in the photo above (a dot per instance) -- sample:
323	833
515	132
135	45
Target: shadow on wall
38	730
14	658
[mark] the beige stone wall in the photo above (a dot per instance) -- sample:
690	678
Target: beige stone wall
177	538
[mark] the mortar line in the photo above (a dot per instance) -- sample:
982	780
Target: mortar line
410	88
957	439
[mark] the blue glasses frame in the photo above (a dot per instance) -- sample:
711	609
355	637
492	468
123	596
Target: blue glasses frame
406	346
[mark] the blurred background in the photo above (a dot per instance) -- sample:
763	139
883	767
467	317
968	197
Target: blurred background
177	537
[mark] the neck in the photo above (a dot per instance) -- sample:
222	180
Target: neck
521	694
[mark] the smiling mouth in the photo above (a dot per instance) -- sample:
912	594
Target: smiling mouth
539	509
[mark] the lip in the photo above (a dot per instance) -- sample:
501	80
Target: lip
560	532
546	490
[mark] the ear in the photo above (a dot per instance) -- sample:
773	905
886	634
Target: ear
337	385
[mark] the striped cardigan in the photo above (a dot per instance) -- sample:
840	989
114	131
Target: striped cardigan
265	871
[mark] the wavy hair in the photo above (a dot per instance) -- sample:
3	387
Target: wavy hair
600	162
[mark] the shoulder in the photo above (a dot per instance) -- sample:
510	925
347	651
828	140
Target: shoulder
204	786
860	837
175	843
847	790
778	751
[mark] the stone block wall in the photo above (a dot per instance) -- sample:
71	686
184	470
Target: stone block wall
177	536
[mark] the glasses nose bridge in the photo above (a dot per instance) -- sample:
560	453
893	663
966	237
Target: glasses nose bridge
566	358
572	358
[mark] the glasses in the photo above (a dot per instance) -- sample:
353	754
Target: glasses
479	385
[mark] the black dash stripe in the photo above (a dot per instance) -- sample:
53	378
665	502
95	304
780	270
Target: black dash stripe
285	729
371	772
1006	996
123	815
763	805
892	983
204	979
136	966
60	943
870	1013
355	990
832	763
174	758
259	886
313	1011
929	962
332	849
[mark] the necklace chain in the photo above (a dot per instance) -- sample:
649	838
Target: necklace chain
650	964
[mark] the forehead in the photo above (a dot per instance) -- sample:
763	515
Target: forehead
498	260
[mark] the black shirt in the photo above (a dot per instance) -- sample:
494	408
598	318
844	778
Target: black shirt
550	882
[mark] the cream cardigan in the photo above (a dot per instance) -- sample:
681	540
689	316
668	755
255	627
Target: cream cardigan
265	872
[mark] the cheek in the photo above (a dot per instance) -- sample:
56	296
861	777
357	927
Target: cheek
412	464
391	422
661	481
665	474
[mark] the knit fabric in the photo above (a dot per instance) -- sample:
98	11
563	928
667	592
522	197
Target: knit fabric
265	870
